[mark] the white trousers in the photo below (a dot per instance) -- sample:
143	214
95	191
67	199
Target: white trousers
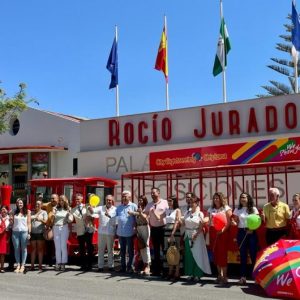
61	235
144	233
106	241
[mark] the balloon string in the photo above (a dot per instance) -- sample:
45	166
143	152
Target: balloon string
243	241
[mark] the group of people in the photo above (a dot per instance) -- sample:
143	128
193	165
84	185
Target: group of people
144	228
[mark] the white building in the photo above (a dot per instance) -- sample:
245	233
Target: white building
39	142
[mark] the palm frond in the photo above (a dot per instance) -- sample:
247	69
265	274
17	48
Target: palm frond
272	90
281	70
286	37
282	87
262	96
288	27
283	47
284	62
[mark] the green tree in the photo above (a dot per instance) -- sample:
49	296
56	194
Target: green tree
282	66
11	107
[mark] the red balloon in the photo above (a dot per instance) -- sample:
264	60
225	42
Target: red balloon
219	221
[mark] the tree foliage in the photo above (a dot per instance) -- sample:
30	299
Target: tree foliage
283	66
11	107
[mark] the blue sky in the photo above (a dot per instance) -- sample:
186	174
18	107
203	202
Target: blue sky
59	48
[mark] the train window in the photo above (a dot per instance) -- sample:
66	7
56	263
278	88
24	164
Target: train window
45	191
68	192
102	192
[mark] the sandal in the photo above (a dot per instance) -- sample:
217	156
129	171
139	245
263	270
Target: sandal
176	278
146	272
57	267
242	281
17	269
224	280
22	269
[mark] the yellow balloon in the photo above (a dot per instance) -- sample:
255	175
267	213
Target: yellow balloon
94	200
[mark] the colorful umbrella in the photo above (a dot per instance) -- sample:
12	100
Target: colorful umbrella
277	269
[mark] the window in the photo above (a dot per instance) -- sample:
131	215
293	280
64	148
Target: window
39	164
75	166
14	127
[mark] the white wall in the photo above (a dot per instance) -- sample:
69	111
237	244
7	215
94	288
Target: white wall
39	128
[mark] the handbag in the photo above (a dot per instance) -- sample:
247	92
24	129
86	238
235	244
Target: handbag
48	234
173	255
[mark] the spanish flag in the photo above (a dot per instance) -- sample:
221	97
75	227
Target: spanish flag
161	63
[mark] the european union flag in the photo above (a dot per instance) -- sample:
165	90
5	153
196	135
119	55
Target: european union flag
296	28
112	65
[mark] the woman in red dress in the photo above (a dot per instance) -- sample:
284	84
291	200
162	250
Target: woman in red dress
219	239
4	235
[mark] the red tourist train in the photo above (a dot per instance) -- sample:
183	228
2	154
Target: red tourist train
99	186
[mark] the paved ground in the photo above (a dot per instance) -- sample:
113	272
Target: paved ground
74	284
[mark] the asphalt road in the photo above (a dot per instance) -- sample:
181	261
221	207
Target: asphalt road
74	284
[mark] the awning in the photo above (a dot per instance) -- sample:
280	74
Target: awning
40	148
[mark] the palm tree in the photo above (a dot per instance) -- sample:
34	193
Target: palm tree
282	66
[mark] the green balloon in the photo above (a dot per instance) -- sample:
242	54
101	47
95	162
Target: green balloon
253	221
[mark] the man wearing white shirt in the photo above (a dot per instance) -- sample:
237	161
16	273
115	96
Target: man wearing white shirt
106	231
84	231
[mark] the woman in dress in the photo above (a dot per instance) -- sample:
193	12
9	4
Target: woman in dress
246	239
294	226
143	232
196	261
172	234
21	230
38	221
60	218
219	239
4	236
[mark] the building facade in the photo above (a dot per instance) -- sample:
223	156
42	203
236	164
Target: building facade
66	146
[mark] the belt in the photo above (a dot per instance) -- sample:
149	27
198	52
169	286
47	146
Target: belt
163	226
142	224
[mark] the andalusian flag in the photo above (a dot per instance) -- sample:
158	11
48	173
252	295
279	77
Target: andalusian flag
223	47
161	63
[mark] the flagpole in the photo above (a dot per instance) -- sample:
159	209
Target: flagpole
223	59
167	79
296	72
117	86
